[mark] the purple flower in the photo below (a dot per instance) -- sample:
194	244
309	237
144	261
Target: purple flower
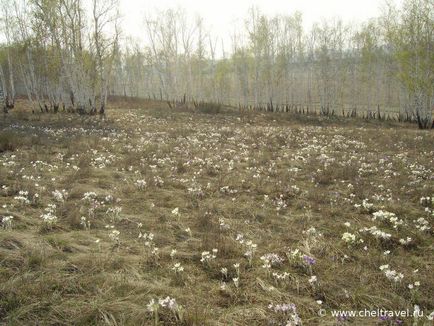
309	260
341	319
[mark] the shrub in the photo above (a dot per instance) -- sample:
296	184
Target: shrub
8	141
208	107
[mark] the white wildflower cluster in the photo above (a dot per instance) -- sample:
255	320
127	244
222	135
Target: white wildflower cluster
114	213
366	205
60	196
250	247
250	252
237	268
140	184
382	215
158	181
113	234
148	239
271	259
312	238
351	238
49	216
422	224
295	189
228	190
196	191
89	196
405	242
10	162
101	161
4	189
154	253
175	212
7	222
236	281
295	256
167	303
377	233
91	203
391	274
413	286
223	225
289	311
427	201
389	217
23	197
177	268
84	221
313	280
280	203
280	277
207	256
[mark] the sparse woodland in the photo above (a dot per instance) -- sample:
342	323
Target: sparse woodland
71	56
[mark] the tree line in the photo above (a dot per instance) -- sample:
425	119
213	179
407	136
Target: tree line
71	55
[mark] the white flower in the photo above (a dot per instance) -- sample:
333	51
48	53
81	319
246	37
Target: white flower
60	196
177	268
207	256
152	306
405	241
141	184
114	235
7	222
348	237
383	267
313	279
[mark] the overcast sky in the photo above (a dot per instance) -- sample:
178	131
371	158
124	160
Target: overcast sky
223	17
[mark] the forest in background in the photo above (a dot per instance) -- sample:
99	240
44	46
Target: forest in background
72	54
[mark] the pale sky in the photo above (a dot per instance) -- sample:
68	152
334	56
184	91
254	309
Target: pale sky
222	16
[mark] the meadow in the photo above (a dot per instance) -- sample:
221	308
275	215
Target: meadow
174	216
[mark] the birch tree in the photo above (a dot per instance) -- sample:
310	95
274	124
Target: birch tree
411	36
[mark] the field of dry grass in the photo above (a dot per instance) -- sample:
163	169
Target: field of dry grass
155	216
